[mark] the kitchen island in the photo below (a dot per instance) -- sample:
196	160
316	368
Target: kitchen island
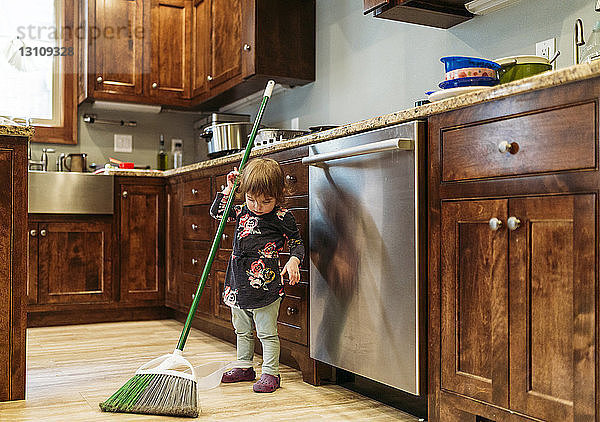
13	258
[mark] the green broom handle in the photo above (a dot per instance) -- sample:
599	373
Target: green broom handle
217	239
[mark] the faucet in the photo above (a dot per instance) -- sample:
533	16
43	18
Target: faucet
578	40
43	163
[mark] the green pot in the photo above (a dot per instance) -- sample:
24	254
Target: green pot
519	67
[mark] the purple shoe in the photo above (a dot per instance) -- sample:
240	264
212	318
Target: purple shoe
239	374
267	383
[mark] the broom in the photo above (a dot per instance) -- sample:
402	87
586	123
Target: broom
167	385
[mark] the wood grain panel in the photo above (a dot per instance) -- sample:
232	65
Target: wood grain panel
6	280
141	218
194	257
75	262
474	301
188	292
201	44
226	48
222	311
545	144
292	322
552	307
119	41
197	223
170	50
296	178
173	242
32	263
197	192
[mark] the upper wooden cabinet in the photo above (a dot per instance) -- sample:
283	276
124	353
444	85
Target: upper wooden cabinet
196	53
437	13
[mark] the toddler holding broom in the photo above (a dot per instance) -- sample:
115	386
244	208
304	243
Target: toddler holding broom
253	283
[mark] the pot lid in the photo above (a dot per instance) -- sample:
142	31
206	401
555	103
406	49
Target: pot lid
522	60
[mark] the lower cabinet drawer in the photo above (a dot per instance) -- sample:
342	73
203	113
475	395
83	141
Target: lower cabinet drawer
194	257
188	291
197	223
292	323
222	311
548	141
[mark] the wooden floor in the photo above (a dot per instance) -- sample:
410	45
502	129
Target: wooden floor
71	369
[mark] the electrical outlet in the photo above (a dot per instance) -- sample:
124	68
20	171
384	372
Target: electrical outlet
546	49
174	143
123	143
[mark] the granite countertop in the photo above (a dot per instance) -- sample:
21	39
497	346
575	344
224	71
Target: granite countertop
544	80
10	128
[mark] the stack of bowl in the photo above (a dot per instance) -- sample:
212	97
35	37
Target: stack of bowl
464	71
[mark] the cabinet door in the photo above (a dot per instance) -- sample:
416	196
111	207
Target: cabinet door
171	50
552	307
474	326
226	57
141	242
201	42
118	42
32	263
74	263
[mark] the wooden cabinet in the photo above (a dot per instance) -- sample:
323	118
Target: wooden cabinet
13	265
195	53
173	243
118	36
70	261
513	298
436	13
171	48
250	42
141	240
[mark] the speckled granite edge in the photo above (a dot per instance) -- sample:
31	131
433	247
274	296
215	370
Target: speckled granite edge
136	173
541	81
16	130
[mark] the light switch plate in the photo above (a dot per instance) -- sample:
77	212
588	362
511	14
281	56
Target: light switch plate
295	123
174	142
123	143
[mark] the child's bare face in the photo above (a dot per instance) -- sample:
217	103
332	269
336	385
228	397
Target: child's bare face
260	204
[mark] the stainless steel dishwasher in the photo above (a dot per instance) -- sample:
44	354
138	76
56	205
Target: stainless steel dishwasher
367	234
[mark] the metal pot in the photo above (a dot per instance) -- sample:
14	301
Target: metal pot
225	138
519	67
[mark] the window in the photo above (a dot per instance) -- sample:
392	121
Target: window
37	66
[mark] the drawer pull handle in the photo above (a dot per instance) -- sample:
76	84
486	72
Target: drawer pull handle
291	311
505	147
124	194
33	233
513	223
194	227
495	224
290	179
194	191
43	233
193	296
225	236
222	187
194	261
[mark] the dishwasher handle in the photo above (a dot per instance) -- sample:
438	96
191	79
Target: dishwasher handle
403	144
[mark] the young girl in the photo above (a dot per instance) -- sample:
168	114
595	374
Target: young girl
253	283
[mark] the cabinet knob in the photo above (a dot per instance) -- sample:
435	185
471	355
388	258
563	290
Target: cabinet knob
99	79
222	187
43	233
194	191
193	296
513	223
194	261
291	311
209	78
505	147
247	47
225	236
33	233
154	85
495	224
290	179
124	194
194	227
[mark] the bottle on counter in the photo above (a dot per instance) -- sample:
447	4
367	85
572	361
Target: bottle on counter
162	158
591	50
177	154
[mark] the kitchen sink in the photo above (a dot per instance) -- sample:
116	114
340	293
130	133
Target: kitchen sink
53	192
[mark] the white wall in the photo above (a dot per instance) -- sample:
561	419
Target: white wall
368	66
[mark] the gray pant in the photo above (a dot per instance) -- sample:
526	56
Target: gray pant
265	319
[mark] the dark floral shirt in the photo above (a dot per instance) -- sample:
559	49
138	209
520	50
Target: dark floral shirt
253	278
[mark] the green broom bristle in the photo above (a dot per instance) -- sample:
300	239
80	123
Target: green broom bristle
155	394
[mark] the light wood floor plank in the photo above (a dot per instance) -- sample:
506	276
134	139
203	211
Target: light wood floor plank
71	369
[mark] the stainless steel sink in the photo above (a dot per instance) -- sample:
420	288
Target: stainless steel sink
70	193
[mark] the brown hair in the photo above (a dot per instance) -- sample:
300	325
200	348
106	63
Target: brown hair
263	176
